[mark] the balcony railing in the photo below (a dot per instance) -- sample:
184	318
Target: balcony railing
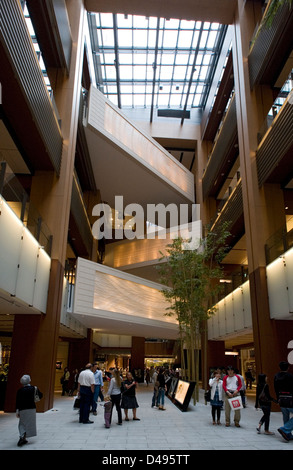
223	155
278	243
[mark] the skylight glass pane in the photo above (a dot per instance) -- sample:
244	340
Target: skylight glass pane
152	35
124	21
138	100
203	39
112	89
175	101
172	65
140	22
125	72
125	58
170	38
203	72
184	24
181	59
110	72
139	72
185	39
125	37
166	72
126	100
211	39
172	24
140	37
126	89
107	20
108	38
179	73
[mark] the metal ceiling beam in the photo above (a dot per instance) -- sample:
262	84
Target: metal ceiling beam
213	67
155	69
95	49
192	72
117	60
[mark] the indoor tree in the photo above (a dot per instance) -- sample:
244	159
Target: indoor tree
192	278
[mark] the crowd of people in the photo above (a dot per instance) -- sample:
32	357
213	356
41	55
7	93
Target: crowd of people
117	389
225	386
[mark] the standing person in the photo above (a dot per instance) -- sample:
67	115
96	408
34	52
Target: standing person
98	386
232	385
283	384
156	388
115	394
243	388
75	374
162	389
107	411
65	381
249	378
129	401
264	400
26	409
216	384
86	388
147	377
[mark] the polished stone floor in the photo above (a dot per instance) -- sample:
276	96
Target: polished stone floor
169	430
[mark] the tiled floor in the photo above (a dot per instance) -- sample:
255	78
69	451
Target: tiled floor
59	429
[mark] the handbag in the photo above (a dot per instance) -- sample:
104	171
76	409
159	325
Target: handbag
36	395
262	396
235	403
76	404
207	395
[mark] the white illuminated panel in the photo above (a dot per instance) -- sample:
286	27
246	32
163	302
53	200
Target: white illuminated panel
289	277
238	309
246	305
280	286
277	289
110	300
222	317
229	314
11	230
42	281
233	314
114	294
25	266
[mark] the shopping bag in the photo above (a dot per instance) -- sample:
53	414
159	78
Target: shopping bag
76	404
235	403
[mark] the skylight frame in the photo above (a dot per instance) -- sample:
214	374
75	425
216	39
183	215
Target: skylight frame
172	87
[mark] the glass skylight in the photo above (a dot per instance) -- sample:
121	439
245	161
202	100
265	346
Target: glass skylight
149	62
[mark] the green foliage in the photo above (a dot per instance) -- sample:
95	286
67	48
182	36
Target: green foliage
270	13
273	9
191	277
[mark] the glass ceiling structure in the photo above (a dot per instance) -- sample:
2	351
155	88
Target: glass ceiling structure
159	64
